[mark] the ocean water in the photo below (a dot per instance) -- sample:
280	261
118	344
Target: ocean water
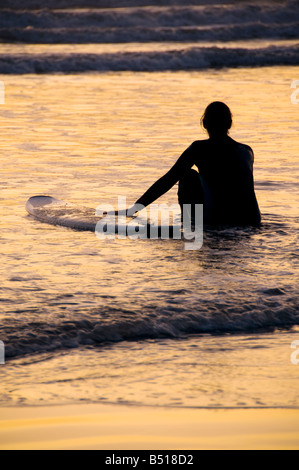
99	104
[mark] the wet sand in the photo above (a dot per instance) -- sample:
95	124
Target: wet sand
121	427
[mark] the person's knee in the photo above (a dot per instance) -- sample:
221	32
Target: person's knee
190	190
190	179
190	176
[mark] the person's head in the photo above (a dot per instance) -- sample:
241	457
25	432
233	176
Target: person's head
217	119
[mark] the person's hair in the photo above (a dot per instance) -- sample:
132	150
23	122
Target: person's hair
217	118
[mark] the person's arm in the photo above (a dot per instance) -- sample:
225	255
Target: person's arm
164	184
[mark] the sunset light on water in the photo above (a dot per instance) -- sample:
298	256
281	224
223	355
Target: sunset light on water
200	346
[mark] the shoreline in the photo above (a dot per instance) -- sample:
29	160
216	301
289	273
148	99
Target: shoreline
122	427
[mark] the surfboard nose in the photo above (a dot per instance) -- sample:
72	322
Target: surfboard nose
37	202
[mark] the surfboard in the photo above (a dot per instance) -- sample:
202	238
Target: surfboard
54	211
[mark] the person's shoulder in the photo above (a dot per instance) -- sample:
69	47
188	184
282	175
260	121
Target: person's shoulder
244	150
244	147
198	144
245	153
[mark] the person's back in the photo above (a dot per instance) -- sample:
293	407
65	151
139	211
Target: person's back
226	175
224	182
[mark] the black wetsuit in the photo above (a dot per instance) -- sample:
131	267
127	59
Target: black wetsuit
224	182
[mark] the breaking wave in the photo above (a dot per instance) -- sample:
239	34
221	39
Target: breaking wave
195	58
97	327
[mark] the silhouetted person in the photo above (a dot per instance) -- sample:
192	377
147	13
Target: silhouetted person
224	182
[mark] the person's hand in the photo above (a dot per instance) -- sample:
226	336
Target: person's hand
121	213
131	212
